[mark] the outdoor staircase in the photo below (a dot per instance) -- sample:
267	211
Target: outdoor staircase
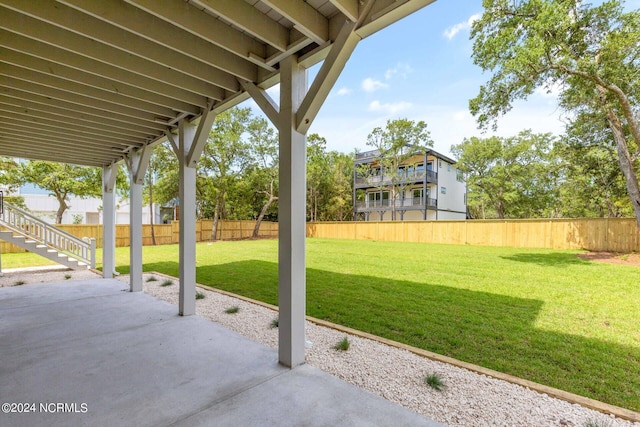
28	232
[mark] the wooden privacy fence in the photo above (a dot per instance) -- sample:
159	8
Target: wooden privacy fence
166	233
596	234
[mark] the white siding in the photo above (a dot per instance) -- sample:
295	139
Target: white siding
451	205
45	207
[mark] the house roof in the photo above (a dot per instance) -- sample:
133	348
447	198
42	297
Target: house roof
372	155
88	82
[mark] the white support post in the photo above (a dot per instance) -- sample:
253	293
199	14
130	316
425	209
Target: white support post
298	108
187	190
137	164
109	174
291	217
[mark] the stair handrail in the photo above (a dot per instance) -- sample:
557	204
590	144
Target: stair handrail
21	222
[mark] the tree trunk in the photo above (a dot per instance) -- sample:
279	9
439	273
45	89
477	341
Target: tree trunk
153	232
216	216
256	230
62	207
626	165
624	157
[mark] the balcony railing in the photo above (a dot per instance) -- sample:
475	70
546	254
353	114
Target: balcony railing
408	202
379	180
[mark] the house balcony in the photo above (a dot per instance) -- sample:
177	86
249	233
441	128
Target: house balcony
381	180
409	203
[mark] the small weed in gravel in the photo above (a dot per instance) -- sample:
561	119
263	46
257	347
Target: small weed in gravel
166	283
67	276
152	279
597	423
199	295
435	382
232	310
343	345
274	323
19	283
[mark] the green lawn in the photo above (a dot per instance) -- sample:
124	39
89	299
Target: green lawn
543	315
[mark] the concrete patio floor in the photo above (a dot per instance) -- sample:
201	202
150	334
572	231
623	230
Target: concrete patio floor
120	358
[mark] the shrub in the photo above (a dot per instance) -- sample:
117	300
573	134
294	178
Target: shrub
232	310
343	345
199	295
166	283
435	382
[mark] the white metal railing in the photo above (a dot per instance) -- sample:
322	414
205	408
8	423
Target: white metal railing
27	225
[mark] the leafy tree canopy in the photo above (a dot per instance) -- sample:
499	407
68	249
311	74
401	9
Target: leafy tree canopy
589	52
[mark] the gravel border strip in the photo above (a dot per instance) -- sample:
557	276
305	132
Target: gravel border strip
474	395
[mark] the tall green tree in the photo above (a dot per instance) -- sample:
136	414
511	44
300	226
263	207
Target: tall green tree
263	146
224	159
397	142
161	165
62	180
318	175
509	177
10	179
329	182
589	52
9	173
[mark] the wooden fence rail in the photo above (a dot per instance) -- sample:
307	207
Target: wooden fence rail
596	234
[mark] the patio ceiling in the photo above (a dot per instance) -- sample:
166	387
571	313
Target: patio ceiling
88	82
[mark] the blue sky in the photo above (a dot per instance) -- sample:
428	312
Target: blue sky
421	68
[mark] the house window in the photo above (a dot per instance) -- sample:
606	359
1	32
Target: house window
448	167
443	190
459	175
439	163
430	166
420	168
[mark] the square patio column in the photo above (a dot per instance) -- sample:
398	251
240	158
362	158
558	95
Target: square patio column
293	116
137	164
187	195
291	216
109	174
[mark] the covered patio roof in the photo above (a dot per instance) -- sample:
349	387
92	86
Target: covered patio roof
99	83
89	82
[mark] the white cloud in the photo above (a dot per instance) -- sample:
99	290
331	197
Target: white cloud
401	69
389	108
461	116
343	91
452	31
371	85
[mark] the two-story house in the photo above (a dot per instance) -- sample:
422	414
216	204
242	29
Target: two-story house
423	185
